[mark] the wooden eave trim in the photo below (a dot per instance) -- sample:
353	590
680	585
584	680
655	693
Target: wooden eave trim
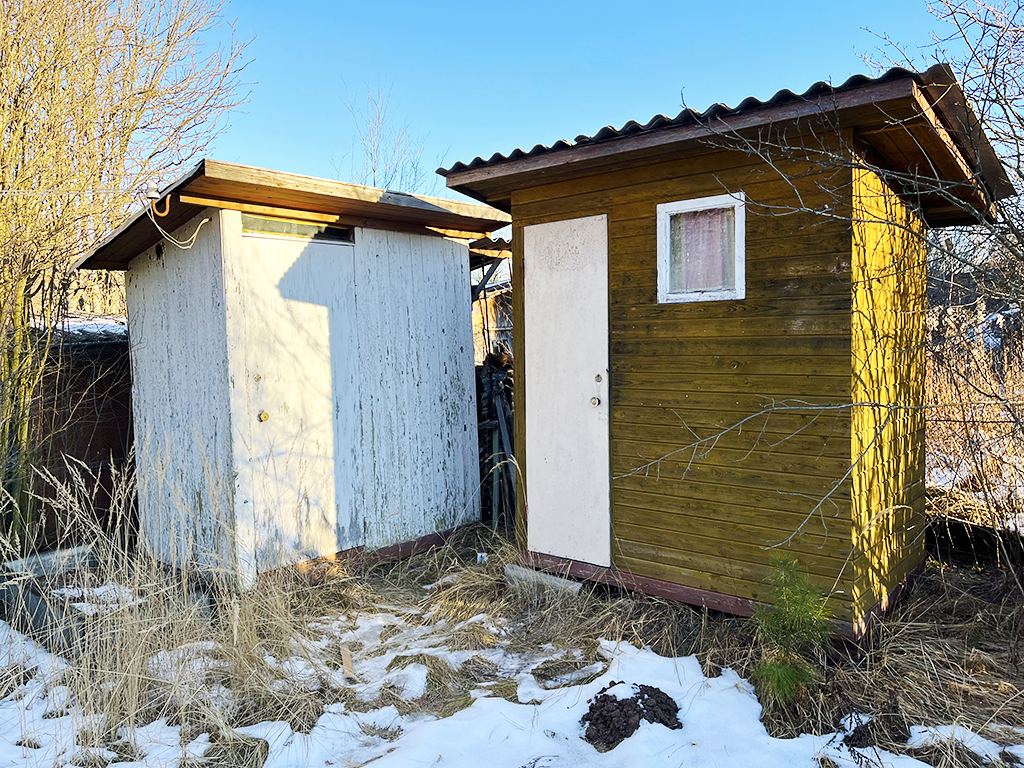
872	96
336	192
928	149
954	152
310	216
260	210
298	200
226	185
232	184
950	104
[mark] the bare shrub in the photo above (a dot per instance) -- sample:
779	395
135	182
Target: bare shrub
974	426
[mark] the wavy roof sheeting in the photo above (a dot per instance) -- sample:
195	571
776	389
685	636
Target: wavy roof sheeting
927	109
688	117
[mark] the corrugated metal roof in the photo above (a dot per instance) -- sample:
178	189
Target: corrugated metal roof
938	72
487	249
491	244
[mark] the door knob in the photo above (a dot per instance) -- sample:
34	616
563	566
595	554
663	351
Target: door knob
595	401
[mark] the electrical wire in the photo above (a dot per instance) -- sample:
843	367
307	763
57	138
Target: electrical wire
138	191
183	245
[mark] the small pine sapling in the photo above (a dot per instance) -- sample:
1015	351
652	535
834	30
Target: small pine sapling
795	626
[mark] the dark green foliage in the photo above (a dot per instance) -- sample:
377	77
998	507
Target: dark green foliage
797	619
783	678
794	627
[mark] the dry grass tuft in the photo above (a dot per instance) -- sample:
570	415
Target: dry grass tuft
508	689
233	750
951	754
388	734
388	632
447	689
1009	758
477	669
474	636
462	598
926	654
12	678
559	673
259	702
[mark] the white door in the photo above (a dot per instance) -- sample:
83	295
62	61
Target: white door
566	339
292	347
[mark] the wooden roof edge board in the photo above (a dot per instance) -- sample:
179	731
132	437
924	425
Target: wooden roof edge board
293	182
944	93
395	209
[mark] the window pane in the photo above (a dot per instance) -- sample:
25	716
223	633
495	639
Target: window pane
702	255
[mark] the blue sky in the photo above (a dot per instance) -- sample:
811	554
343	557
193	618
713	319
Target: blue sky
476	77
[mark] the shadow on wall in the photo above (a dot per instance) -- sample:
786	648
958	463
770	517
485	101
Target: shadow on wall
354	355
295	349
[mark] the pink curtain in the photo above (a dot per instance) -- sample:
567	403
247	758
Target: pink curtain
703	250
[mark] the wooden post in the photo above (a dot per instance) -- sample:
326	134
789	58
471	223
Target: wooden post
346	663
495	478
499	408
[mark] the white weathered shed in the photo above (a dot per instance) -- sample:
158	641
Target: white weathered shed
302	362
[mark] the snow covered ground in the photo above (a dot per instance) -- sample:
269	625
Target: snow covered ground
40	722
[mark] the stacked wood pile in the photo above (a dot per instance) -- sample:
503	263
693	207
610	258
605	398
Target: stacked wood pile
494	389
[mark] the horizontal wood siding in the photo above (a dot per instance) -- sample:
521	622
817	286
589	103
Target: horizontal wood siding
711	516
888	371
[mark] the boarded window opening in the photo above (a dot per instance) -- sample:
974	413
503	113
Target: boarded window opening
265	225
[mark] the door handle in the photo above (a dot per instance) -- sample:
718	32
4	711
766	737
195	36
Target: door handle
595	401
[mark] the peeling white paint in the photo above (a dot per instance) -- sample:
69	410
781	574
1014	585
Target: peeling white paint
418	391
346	381
283	295
180	399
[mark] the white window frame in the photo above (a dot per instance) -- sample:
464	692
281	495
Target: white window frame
735	201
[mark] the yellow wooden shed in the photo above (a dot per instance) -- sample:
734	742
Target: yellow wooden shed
719	336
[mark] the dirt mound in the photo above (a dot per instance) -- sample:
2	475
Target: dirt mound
611	719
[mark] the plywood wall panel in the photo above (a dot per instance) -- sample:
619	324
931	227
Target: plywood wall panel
418	393
180	399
